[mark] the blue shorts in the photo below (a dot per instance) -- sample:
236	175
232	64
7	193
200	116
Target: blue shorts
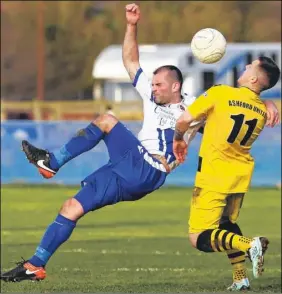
130	174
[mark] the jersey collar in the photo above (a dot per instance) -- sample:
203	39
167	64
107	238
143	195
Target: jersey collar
255	93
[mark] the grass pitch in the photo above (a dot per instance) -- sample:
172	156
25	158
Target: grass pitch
137	247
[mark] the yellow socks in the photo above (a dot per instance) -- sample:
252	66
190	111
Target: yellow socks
218	240
239	272
241	243
237	260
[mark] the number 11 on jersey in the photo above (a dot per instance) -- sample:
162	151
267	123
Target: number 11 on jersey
238	122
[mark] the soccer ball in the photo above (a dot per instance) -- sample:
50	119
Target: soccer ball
208	45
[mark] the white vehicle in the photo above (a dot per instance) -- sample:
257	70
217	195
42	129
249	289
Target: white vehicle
111	80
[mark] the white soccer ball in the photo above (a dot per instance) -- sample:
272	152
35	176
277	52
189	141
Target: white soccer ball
208	45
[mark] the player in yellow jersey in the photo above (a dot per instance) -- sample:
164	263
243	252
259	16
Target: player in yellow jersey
234	119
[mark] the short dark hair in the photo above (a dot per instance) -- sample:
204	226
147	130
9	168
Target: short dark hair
272	71
179	76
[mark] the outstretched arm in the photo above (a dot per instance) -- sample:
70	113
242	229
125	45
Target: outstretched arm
130	53
272	113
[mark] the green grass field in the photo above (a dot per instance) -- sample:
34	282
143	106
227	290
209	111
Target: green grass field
137	247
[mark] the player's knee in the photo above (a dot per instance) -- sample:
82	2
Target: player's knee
231	227
193	239
105	122
72	209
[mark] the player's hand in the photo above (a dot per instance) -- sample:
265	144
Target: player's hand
180	150
132	13
272	113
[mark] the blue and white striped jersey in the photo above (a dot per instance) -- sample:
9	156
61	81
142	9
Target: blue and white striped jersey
159	121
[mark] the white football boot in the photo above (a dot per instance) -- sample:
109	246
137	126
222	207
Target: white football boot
242	285
256	254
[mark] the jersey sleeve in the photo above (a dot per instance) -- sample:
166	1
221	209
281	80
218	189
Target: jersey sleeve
189	100
203	104
143	85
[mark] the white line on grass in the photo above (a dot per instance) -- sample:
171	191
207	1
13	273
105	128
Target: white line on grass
154	269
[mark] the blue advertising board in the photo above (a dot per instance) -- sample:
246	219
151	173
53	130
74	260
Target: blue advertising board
52	135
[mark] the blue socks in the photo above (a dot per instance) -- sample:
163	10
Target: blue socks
84	140
56	234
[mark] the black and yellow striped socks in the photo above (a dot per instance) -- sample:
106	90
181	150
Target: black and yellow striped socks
235	256
219	240
237	260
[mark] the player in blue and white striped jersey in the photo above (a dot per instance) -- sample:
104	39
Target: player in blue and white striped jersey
137	166
162	106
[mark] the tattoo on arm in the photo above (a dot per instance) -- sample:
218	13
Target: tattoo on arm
178	134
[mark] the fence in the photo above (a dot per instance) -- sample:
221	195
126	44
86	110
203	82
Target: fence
77	110
51	135
71	110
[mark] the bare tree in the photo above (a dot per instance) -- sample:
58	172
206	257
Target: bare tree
76	32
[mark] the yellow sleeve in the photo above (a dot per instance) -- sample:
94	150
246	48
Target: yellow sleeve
203	104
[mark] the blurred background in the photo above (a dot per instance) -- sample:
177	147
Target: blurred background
61	66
